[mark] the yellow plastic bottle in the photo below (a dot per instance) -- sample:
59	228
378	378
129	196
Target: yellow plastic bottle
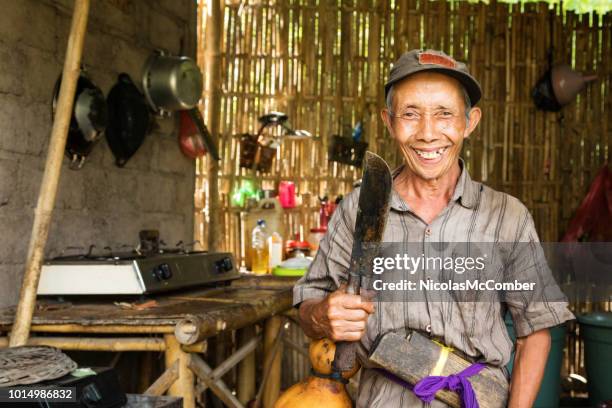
259	249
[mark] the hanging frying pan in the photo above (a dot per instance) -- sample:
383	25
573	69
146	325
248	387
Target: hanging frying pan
190	139
128	119
89	119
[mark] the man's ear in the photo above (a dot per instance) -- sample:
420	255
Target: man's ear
384	115
475	115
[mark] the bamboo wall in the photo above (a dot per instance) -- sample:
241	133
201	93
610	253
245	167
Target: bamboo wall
324	63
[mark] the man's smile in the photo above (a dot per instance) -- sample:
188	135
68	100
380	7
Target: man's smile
430	155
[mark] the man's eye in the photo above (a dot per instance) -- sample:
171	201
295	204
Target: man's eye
409	115
447	114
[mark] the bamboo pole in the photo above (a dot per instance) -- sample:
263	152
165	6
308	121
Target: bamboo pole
223	368
214	27
161	385
48	188
246	368
272	332
204	372
270	354
116	329
95	344
201	347
184	385
194	328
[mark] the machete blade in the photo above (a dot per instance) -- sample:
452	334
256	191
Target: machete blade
372	211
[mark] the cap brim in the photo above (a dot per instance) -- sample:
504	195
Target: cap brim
469	83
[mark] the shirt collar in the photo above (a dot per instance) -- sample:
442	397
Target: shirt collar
465	190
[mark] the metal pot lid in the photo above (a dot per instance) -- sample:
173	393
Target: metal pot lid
128	119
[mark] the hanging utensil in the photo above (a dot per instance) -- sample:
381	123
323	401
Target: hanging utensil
128	119
88	121
171	83
560	84
196	117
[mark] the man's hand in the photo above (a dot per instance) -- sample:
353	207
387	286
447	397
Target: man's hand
528	370
339	317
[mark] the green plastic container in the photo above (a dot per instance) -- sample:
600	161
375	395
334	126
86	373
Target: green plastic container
550	389
596	331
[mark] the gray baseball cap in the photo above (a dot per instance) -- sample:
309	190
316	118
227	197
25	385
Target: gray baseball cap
431	60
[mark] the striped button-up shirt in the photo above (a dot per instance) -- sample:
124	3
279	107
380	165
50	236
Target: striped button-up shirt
475	213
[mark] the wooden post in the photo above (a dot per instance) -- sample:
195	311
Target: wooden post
184	386
246	368
48	188
212	66
271	389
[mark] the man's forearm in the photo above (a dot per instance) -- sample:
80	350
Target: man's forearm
529	364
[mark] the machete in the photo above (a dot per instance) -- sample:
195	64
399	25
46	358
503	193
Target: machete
372	211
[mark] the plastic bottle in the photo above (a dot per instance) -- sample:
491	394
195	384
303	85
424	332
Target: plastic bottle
275	250
259	248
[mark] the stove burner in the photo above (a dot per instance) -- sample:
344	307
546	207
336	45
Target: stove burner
124	252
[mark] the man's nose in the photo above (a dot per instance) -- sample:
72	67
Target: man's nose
427	133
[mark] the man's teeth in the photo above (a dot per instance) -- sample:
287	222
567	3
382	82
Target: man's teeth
434	154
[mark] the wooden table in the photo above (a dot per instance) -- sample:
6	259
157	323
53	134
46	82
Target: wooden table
246	301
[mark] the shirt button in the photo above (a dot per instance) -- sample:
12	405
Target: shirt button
428	231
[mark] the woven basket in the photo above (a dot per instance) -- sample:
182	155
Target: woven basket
30	365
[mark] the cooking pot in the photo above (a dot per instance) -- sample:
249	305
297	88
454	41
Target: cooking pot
128	119
88	121
558	87
171	83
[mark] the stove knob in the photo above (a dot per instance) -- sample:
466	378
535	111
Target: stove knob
224	265
162	272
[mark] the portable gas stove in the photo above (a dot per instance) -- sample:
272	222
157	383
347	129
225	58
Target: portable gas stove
136	272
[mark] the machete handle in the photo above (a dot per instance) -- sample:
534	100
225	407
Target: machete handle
345	356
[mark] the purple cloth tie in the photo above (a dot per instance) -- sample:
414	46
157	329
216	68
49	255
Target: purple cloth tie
426	389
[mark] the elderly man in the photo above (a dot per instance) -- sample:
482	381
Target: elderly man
430	110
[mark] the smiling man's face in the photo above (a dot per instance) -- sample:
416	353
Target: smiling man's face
428	122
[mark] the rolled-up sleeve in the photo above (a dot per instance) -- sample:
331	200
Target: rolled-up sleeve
330	265
545	305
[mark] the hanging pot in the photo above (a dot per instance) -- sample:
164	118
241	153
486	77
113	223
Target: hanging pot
88	121
558	87
567	83
128	119
171	83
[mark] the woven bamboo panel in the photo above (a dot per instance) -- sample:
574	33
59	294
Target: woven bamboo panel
324	63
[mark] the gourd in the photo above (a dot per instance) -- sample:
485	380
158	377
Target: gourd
319	389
